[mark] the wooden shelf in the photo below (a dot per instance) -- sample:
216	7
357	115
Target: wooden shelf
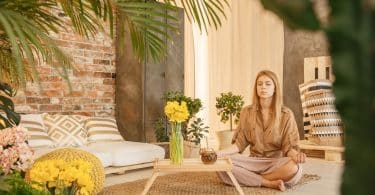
331	153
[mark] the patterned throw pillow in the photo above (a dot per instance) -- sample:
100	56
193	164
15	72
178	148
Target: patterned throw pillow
38	136
102	129
66	130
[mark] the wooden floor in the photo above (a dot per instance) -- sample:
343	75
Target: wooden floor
329	183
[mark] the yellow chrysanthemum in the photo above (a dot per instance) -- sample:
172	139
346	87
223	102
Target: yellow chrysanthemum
176	112
56	173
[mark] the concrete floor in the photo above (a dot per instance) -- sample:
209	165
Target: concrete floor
329	184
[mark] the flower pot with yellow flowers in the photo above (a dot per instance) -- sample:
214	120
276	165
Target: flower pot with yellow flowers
191	134
177	113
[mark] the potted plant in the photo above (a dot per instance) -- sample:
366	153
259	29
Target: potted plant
195	133
228	108
193	105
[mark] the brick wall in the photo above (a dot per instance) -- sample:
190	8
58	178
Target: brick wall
92	80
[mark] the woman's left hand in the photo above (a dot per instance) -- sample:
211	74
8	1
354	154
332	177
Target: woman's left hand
299	157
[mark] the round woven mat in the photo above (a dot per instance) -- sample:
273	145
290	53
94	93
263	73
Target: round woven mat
192	184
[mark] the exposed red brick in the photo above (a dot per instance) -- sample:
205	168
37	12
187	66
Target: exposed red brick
67	107
52	85
19	100
108	94
77	73
91	94
31	93
109	81
26	108
100	61
50	107
92	79
94	68
92	107
52	93
37	100
73	94
85	113
104	87
82	100
44	70
110	100
87	46
49	78
102	75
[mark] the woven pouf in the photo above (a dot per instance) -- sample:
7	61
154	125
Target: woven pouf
72	154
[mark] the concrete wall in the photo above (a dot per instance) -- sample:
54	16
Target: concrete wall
140	87
299	45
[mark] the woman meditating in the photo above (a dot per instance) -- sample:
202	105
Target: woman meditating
271	131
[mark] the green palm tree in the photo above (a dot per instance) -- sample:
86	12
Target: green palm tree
25	26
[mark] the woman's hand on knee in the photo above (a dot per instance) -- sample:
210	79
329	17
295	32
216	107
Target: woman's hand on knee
299	157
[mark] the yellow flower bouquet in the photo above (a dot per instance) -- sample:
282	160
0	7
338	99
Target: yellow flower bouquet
60	177
176	113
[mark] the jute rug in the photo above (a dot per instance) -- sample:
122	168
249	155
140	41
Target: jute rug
192	184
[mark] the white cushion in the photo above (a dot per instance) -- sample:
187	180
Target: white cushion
129	153
104	156
36	131
117	153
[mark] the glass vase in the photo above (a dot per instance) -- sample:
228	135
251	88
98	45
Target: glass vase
176	147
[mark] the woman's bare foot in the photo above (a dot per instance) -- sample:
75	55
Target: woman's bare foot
275	184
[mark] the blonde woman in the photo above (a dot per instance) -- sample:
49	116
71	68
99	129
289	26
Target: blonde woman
271	131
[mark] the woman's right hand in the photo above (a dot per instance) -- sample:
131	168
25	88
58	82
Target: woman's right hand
227	151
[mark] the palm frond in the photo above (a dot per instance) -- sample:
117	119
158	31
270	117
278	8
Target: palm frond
28	42
26	24
204	12
147	25
83	21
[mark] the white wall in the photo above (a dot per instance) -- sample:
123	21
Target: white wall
250	40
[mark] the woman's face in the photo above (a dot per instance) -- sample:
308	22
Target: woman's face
265	87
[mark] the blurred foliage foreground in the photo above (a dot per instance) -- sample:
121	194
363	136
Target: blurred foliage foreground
350	32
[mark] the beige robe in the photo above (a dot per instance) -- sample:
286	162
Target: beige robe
268	147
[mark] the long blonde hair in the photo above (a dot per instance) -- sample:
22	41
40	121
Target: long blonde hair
276	103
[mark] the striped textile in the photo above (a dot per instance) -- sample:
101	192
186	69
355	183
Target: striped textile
102	129
38	136
322	121
66	130
305	90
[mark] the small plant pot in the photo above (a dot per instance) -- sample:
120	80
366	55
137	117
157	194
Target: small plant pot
224	138
208	156
191	150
